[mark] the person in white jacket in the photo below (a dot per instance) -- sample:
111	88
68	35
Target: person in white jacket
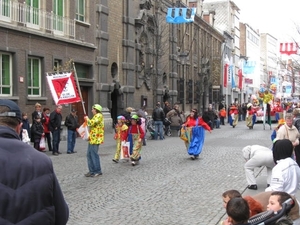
257	156
286	172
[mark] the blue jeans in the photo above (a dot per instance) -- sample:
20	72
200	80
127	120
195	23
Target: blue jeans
71	140
93	159
158	130
56	140
217	123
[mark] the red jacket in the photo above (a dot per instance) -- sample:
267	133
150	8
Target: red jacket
191	122
135	129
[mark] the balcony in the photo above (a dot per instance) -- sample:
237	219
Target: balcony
20	14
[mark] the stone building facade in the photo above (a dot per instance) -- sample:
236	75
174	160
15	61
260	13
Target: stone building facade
124	52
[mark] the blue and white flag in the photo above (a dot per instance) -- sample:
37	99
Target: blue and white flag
179	15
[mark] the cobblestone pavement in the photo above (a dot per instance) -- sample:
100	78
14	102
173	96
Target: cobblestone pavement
167	187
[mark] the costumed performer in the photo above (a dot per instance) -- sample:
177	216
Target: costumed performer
120	136
193	129
251	116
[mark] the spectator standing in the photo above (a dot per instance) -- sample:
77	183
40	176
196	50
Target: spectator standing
158	117
25	126
37	131
167	108
54	126
37	111
244	111
296	123
45	122
127	115
72	124
36	197
96	137
175	118
222	114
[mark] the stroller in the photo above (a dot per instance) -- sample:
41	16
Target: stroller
269	217
151	127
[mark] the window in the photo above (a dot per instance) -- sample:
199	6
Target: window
80	10
58	10
5	74
83	71
34	77
5	8
32	11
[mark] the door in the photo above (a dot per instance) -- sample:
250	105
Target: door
78	105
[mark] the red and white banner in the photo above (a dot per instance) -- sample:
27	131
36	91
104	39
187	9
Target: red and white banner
63	88
288	48
226	67
240	74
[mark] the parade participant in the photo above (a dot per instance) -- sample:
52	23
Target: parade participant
251	116
37	131
193	130
29	192
120	135
288	130
135	137
54	127
286	172
45	122
257	156
276	200
142	123
234	115
72	124
96	137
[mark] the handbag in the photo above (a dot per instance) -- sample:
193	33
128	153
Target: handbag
183	135
42	143
84	131
167	122
125	146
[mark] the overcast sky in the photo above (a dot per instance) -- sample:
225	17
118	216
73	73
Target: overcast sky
276	17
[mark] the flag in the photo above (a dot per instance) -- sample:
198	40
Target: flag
63	88
288	48
240	73
249	67
231	75
226	66
179	15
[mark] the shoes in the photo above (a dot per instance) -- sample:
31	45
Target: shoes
192	157
59	152
115	160
133	163
252	187
88	174
96	175
233	126
55	153
73	152
196	156
69	152
268	185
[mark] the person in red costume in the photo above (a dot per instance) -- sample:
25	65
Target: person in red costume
195	127
278	110
234	115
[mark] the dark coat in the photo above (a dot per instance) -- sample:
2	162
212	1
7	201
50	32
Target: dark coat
30	192
71	122
37	131
55	121
26	126
158	114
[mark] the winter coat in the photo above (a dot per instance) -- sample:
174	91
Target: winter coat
174	117
158	114
71	122
26	126
37	131
55	121
45	121
30	192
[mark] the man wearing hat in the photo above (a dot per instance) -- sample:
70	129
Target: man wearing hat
29	190
71	123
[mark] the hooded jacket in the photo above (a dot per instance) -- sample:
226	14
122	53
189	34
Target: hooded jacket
29	190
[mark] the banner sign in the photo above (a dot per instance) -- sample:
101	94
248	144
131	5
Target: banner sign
63	88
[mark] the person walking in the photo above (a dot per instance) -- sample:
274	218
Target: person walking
96	137
45	122
72	124
234	115
120	136
251	116
135	137
257	156
54	126
193	130
158	117
29	190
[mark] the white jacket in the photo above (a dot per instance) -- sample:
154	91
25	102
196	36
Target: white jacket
285	176
251	150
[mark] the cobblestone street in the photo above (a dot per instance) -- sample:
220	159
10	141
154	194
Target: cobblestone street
167	187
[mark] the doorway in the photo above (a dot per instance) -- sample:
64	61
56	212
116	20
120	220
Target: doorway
78	105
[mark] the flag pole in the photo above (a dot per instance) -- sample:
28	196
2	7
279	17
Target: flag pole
78	87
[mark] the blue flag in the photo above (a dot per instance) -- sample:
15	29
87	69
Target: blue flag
180	17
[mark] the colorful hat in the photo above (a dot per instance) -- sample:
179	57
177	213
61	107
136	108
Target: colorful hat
249	105
135	117
98	107
121	118
281	122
